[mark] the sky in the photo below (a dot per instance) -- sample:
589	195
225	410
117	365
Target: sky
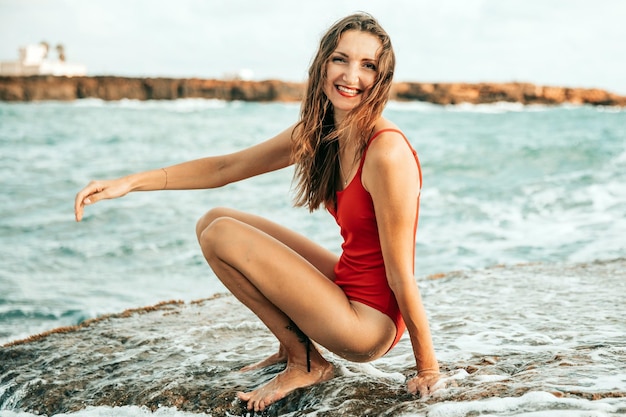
574	43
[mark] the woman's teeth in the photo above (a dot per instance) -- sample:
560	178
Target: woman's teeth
346	90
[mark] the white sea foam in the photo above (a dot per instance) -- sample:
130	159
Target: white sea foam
352	369
184	105
492	108
89	102
611	109
621	158
550	406
514	407
413	106
488	108
179	105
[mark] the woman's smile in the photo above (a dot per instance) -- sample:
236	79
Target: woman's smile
347	91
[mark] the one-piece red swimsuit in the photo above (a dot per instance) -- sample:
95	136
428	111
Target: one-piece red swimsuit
360	271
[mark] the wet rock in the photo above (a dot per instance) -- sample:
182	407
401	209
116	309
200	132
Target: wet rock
187	355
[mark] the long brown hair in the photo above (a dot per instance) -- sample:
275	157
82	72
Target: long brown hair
315	137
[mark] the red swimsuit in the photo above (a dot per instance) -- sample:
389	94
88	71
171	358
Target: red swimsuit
360	271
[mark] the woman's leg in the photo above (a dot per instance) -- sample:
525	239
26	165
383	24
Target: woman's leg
320	257
283	288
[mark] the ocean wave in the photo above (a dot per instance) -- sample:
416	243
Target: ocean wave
413	106
182	105
611	109
493	108
186	105
488	108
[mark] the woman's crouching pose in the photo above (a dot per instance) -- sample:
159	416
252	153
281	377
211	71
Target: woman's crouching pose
361	168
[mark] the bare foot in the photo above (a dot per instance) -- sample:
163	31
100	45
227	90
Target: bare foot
292	378
279	357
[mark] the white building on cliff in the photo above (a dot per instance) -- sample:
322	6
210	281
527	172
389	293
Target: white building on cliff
33	60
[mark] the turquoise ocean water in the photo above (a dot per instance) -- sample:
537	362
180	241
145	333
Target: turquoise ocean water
503	185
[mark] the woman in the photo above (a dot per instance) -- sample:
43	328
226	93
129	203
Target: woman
358	165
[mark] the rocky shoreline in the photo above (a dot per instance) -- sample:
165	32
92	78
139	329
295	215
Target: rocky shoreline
188	356
40	88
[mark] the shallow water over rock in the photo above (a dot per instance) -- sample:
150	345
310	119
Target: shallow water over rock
511	341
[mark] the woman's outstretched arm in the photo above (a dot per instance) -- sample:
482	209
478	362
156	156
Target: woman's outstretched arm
390	175
209	172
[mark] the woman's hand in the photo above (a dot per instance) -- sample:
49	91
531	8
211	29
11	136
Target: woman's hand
424	383
99	190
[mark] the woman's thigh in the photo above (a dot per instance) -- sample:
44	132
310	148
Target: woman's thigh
320	257
297	287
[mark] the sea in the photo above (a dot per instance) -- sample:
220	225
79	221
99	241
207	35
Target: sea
520	254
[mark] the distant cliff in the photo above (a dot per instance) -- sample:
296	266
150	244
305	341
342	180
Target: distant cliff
525	93
116	88
37	88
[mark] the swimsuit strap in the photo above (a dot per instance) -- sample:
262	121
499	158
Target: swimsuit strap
378	133
375	135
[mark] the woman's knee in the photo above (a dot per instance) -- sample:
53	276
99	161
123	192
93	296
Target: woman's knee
209	217
218	229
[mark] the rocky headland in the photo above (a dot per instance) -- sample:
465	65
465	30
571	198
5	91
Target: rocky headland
39	88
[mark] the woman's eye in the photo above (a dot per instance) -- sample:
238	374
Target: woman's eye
370	66
339	59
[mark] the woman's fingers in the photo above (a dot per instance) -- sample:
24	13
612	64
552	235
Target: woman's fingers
92	193
82	198
424	384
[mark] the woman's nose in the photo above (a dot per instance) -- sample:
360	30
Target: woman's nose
351	74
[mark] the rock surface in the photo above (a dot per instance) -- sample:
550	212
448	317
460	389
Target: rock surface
37	88
187	355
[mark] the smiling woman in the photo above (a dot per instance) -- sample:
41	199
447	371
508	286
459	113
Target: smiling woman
370	296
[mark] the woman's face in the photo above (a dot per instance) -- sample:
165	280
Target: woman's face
351	70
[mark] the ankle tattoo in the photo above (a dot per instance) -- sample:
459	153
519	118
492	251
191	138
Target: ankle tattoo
303	339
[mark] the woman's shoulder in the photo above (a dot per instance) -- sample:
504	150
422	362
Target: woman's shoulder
388	155
385	125
388	146
387	136
384	130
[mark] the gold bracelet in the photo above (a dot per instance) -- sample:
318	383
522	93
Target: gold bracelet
165	186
